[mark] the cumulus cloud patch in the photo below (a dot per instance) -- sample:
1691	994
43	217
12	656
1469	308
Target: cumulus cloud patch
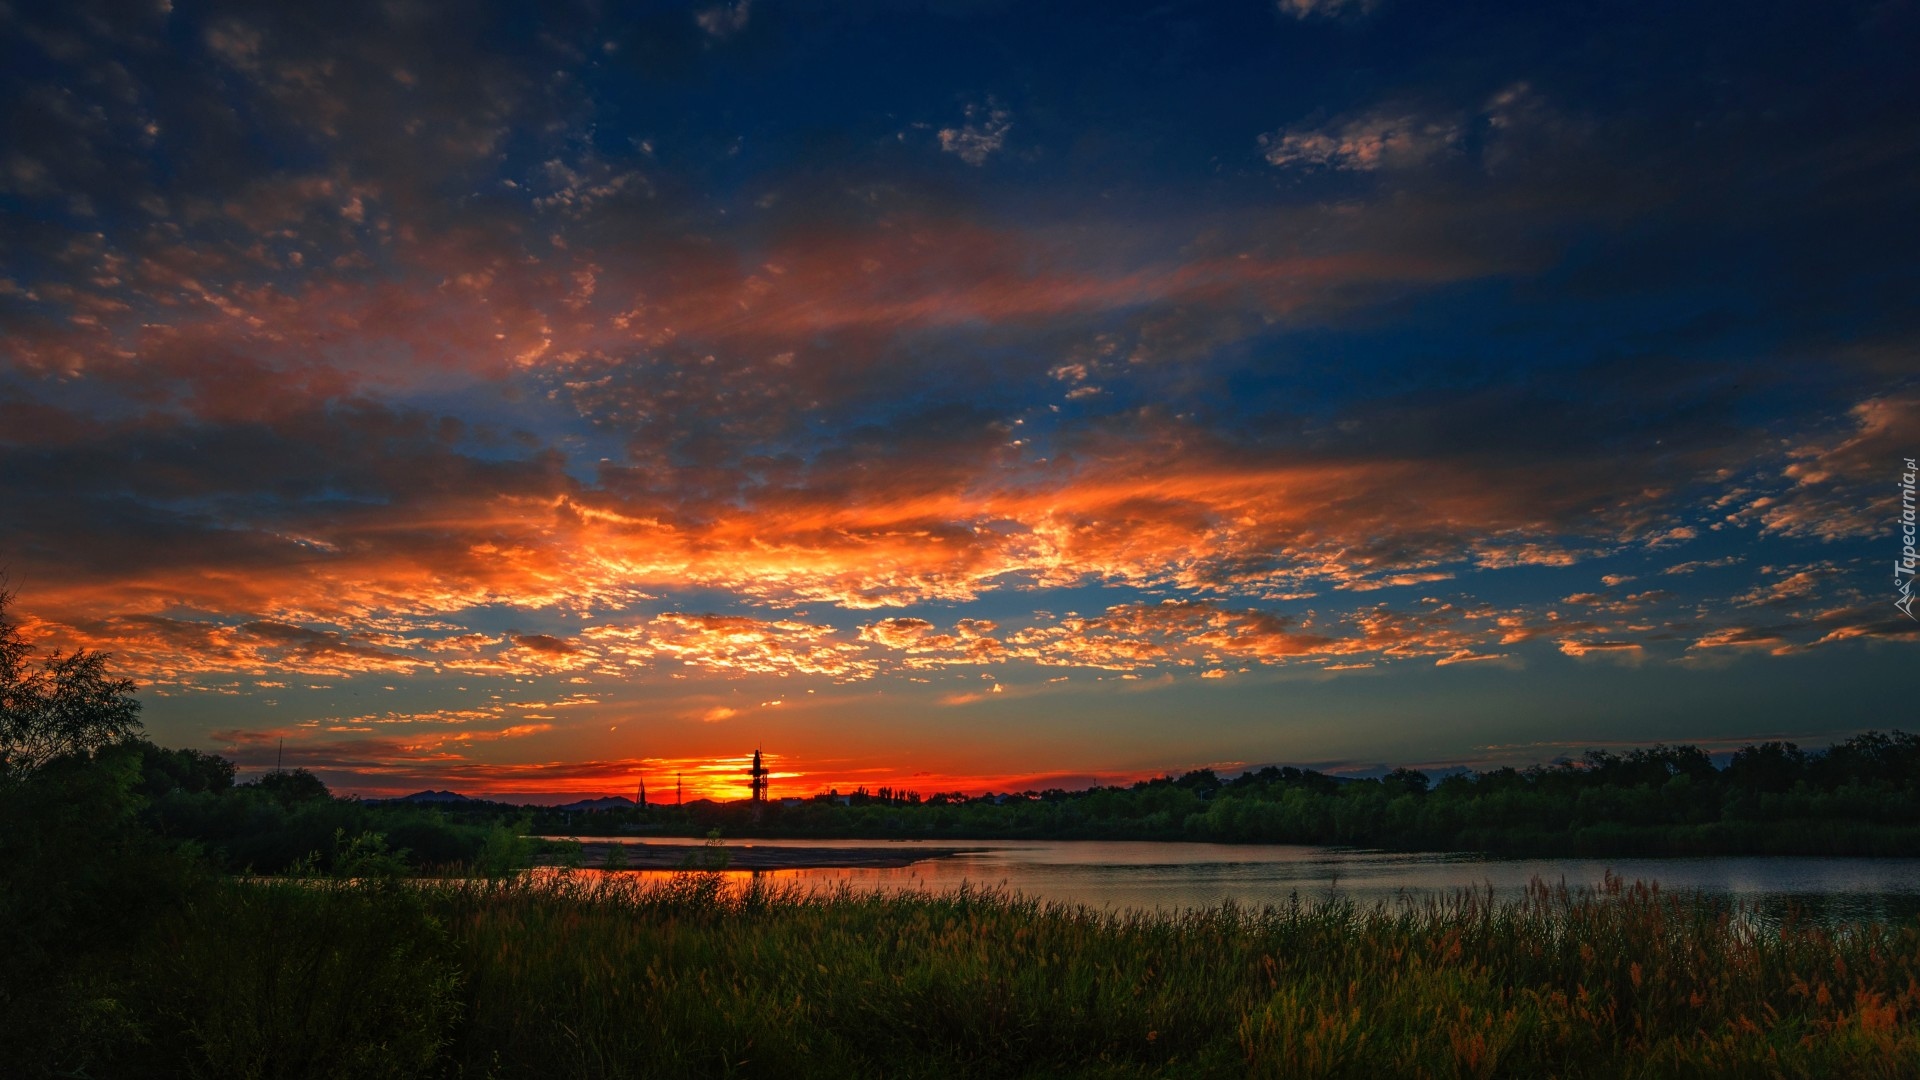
982	134
1367	143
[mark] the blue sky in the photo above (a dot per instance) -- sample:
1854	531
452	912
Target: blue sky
529	398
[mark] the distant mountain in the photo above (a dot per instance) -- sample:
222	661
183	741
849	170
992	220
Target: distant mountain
610	802
433	797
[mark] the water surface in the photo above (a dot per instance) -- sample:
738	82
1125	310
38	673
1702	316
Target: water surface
1170	876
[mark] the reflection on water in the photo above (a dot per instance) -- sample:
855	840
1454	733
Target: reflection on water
1170	876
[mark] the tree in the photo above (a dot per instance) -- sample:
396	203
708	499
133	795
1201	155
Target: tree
1771	767
67	704
1405	781
165	771
298	785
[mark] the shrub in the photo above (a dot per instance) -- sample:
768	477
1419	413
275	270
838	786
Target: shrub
313	979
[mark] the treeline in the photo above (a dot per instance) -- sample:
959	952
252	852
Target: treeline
139	796
1859	797
111	901
288	820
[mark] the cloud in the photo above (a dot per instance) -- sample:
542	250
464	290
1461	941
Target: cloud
1749	637
338	340
724	20
168	648
1625	651
898	633
546	643
1127	637
1394	580
411	515
1512	129
1676	535
1501	552
1704	564
327	520
1465	657
1844	485
1365	143
733	644
980	136
970	642
1793	584
1874	624
1324	9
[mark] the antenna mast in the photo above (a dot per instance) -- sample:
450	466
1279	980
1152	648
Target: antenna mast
757	780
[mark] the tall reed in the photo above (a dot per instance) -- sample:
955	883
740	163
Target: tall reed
588	975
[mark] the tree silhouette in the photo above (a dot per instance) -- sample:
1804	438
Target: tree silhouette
66	704
297	785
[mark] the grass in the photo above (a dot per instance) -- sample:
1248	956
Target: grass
590	976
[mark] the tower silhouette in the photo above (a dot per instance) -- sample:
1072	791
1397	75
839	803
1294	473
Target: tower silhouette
757	779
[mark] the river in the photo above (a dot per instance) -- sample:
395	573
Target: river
1146	875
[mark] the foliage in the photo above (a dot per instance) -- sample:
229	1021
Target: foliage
164	771
66	705
273	824
290	787
284	980
124	958
82	882
569	854
505	850
1860	797
594	977
710	857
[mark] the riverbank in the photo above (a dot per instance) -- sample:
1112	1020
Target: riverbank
578	977
614	855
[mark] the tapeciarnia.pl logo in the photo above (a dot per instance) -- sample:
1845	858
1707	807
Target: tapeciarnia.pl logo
1903	566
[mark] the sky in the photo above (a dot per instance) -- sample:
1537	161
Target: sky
533	399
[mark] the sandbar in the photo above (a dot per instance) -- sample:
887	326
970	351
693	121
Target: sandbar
593	855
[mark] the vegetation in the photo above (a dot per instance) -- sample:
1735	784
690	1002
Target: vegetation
66	704
589	977
1860	797
129	953
283	818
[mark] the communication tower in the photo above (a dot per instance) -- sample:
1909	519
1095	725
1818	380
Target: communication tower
757	779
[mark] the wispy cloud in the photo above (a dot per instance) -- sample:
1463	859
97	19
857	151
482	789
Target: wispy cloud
982	134
1364	143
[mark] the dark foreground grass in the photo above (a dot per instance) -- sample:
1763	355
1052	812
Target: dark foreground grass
586	977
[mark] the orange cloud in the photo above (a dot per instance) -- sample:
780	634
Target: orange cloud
1629	651
734	644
